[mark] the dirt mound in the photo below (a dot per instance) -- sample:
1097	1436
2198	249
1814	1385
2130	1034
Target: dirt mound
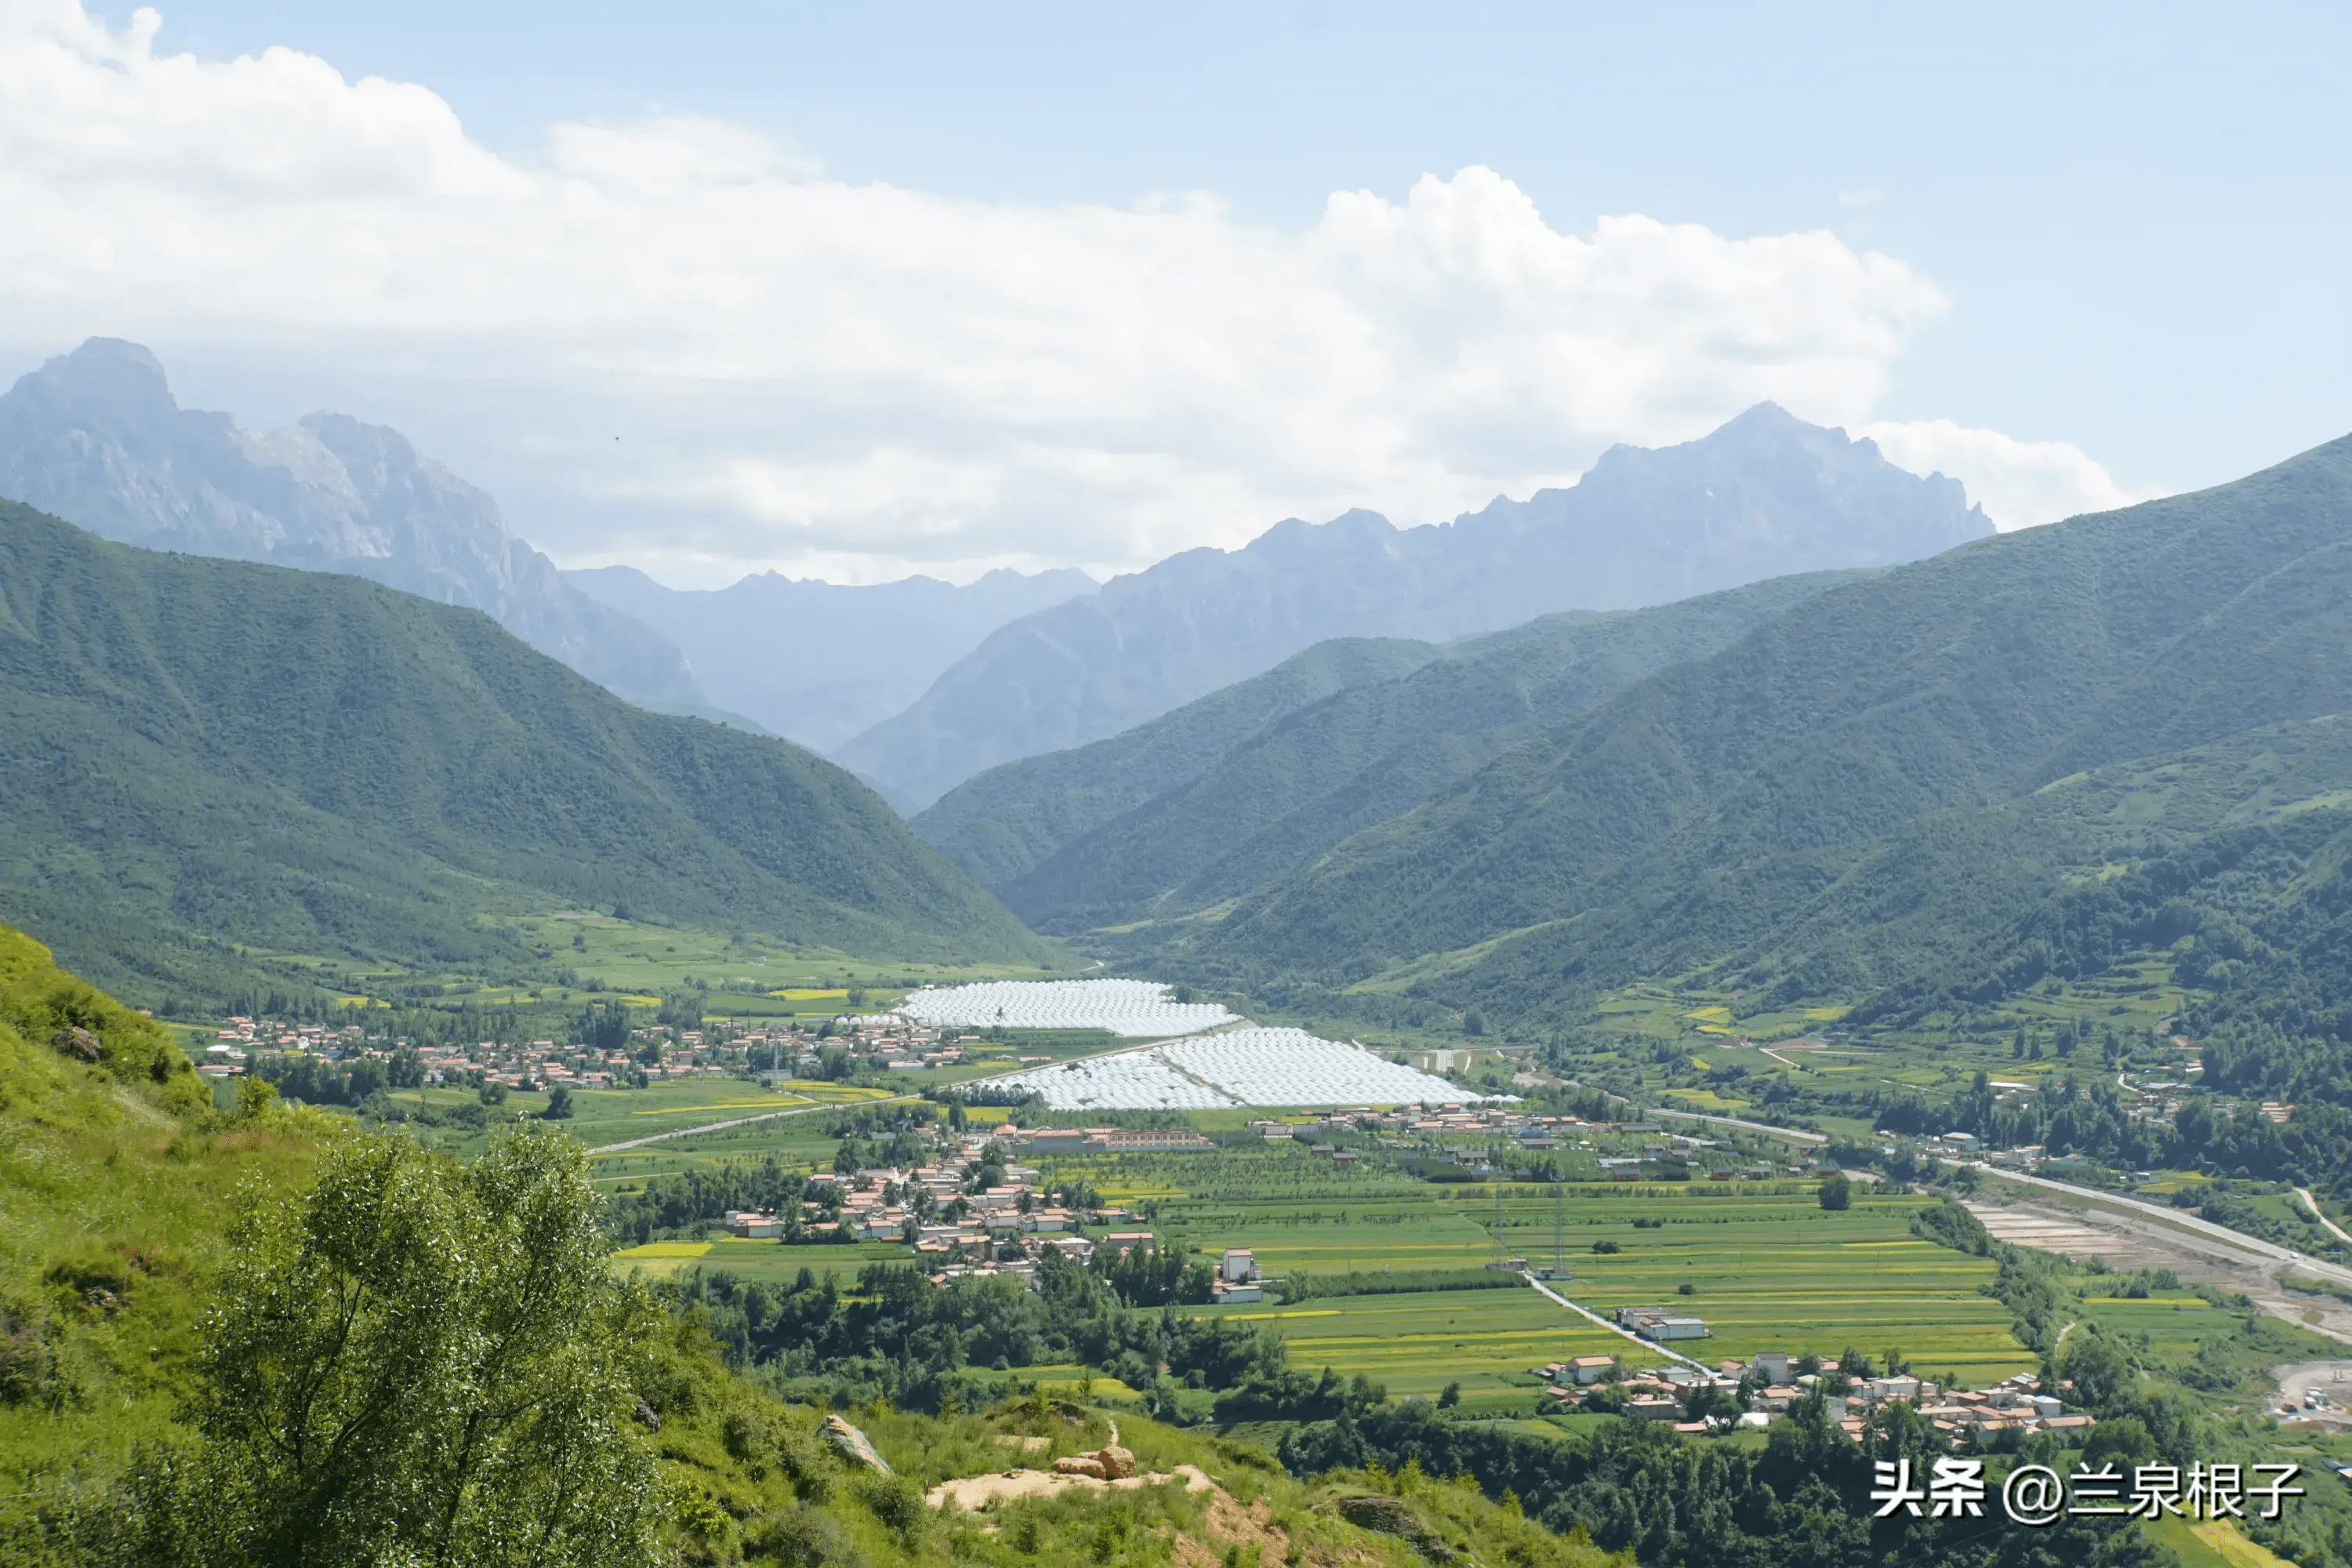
978	1491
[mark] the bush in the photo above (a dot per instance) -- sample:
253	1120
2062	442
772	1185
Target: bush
799	1538
1837	1193
806	1464
898	1503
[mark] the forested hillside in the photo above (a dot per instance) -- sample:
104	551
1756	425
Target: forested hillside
1111	832
205	756
1843	801
1002	824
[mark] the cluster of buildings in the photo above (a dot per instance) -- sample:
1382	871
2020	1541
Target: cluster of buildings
1112	1140
719	1049
883	1040
963	1230
233	1045
2019	1404
936	1209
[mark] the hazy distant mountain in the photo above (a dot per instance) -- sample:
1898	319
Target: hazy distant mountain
819	662
96	437
1765	496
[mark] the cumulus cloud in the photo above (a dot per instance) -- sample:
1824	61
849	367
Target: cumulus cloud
862	379
2019	483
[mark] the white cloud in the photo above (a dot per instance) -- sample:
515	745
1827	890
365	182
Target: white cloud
863	378
2019	483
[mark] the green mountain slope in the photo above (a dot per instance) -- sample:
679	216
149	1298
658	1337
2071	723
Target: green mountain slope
205	755
1702	813
1303	780
1000	825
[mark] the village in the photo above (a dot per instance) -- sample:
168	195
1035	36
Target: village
982	1207
719	1048
1740	1395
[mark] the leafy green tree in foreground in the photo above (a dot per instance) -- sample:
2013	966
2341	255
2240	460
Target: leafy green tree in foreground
417	1363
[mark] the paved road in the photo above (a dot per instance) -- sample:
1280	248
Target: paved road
2179	1220
1788	1132
1622	1333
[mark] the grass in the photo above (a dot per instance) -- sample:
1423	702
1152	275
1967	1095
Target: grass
112	1214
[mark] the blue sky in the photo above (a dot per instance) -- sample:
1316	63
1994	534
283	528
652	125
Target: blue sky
2135	218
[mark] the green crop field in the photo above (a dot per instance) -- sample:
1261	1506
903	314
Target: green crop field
1767	1267
1416	1344
766	1262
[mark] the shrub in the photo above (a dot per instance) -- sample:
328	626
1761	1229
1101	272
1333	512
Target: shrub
898	1503
799	1538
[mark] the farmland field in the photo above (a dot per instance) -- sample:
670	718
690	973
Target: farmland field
1485	1340
1767	1267
767	1262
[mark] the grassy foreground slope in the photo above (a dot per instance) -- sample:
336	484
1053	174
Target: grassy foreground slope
115	1186
1694	815
125	1206
205	754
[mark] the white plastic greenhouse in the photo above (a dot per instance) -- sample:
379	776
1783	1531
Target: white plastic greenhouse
1137	1009
1239	1067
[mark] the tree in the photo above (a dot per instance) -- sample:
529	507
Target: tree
2121	1439
1451	1397
603	1027
2100	1367
418	1362
1837	1193
558	1104
1706	1401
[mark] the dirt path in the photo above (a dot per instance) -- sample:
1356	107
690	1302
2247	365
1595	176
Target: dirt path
2124	1242
977	1492
2320	1215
